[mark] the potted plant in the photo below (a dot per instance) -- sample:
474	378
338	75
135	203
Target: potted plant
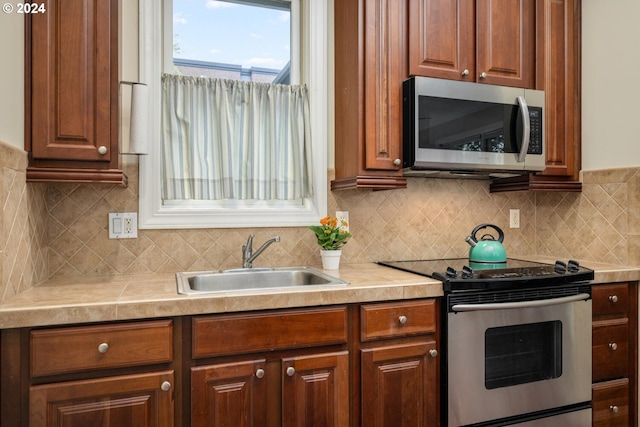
332	236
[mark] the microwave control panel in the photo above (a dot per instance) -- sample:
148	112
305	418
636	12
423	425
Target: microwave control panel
535	139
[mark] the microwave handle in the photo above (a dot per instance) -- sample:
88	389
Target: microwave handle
520	304
524	110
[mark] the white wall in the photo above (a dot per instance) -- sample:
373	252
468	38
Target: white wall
12	78
610	84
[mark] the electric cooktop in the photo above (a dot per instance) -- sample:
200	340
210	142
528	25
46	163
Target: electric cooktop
458	274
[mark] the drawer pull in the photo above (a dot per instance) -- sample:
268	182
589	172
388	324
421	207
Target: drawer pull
291	371
166	386
613	346
260	373
613	298
465	72
402	319
102	149
433	352
614	409
103	348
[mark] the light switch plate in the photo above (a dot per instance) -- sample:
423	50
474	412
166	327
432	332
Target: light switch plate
123	225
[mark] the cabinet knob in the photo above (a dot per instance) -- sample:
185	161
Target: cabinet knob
483	75
397	162
613	346
102	149
260	373
165	386
402	320
103	348
465	73
433	352
291	371
614	409
613	298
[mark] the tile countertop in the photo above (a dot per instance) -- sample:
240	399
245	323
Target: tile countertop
99	299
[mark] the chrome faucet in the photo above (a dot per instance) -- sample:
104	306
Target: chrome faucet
247	250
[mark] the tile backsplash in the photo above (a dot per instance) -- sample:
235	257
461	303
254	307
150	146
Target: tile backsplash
60	230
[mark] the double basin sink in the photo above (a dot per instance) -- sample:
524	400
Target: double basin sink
252	279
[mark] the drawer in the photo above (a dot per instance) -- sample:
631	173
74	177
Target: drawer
82	348
246	333
610	299
611	404
397	319
610	341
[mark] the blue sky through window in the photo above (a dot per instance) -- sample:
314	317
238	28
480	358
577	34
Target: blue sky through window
231	33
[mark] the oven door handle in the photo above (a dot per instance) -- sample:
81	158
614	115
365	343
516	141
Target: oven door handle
520	304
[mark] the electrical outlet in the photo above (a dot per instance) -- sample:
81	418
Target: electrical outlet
514	218
343	215
123	225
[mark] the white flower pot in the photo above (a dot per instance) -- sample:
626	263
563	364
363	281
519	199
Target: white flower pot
330	259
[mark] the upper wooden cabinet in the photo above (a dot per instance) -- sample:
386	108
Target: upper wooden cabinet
370	65
71	92
558	73
486	41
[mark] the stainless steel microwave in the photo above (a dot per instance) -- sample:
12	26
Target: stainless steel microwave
471	128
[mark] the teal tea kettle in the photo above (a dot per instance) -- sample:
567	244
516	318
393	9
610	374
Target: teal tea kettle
487	252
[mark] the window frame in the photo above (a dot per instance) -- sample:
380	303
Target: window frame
313	48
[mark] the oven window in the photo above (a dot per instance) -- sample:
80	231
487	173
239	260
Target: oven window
522	354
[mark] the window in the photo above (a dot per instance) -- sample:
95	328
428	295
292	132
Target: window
246	40
156	23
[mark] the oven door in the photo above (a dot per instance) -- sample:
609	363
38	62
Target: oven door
511	359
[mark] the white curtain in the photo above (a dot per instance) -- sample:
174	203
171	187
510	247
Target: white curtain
227	139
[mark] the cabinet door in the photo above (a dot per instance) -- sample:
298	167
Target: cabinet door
559	61
131	400
385	68
506	42
442	39
400	386
315	390
71	76
229	395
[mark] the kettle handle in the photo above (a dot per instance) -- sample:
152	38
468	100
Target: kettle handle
495	227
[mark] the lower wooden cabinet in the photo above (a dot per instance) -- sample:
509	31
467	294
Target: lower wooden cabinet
611	403
229	394
315	390
128	400
347	365
400	385
399	364
614	352
308	390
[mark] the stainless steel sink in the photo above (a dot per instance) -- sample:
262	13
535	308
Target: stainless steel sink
251	279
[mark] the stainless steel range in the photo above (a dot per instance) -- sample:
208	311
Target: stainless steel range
518	342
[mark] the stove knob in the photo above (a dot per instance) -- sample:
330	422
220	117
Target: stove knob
560	267
573	266
467	272
451	273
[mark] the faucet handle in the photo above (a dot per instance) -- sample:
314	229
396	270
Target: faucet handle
249	243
